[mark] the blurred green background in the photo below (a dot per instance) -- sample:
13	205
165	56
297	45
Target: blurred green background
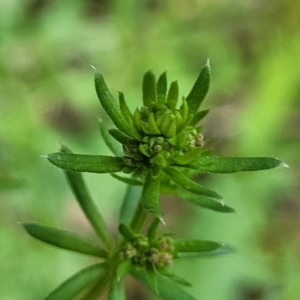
47	96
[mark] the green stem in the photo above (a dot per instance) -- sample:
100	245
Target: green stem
139	218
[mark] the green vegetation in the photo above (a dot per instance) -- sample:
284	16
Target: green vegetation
46	95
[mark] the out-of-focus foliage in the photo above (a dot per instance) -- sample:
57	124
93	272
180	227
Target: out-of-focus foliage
47	95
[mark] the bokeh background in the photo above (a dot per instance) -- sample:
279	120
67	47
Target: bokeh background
47	97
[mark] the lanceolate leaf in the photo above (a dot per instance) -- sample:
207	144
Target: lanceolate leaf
149	89
117	290
220	164
168	273
162	87
119	136
63	239
123	269
198	116
187	157
195	245
173	93
88	206
200	89
86	163
127	232
127	114
152	279
189	184
75	284
150	195
201	200
167	289
110	105
223	249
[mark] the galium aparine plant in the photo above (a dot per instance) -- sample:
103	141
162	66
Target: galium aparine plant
159	147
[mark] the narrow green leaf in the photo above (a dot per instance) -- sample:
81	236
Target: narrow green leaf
189	184
120	136
109	104
222	164
128	116
127	232
137	120
95	290
223	249
162	88
150	195
152	279
173	93
152	124
198	116
63	239
165	124
129	204
184	110
86	163
128	170
87	204
127	180
149	89
172	129
199	200
123	269
75	284
188	157
168	273
195	245
110	142
168	289
200	88
124	108
117	290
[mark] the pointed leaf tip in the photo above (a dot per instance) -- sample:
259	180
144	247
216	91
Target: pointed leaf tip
190	185
208	62
109	104
199	89
162	220
283	165
44	156
94	68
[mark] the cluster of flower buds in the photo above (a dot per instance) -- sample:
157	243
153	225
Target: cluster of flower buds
162	255
165	130
143	251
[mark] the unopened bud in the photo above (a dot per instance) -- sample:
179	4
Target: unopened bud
159	140
154	258
157	148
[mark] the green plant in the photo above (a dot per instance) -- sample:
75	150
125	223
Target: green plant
162	150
